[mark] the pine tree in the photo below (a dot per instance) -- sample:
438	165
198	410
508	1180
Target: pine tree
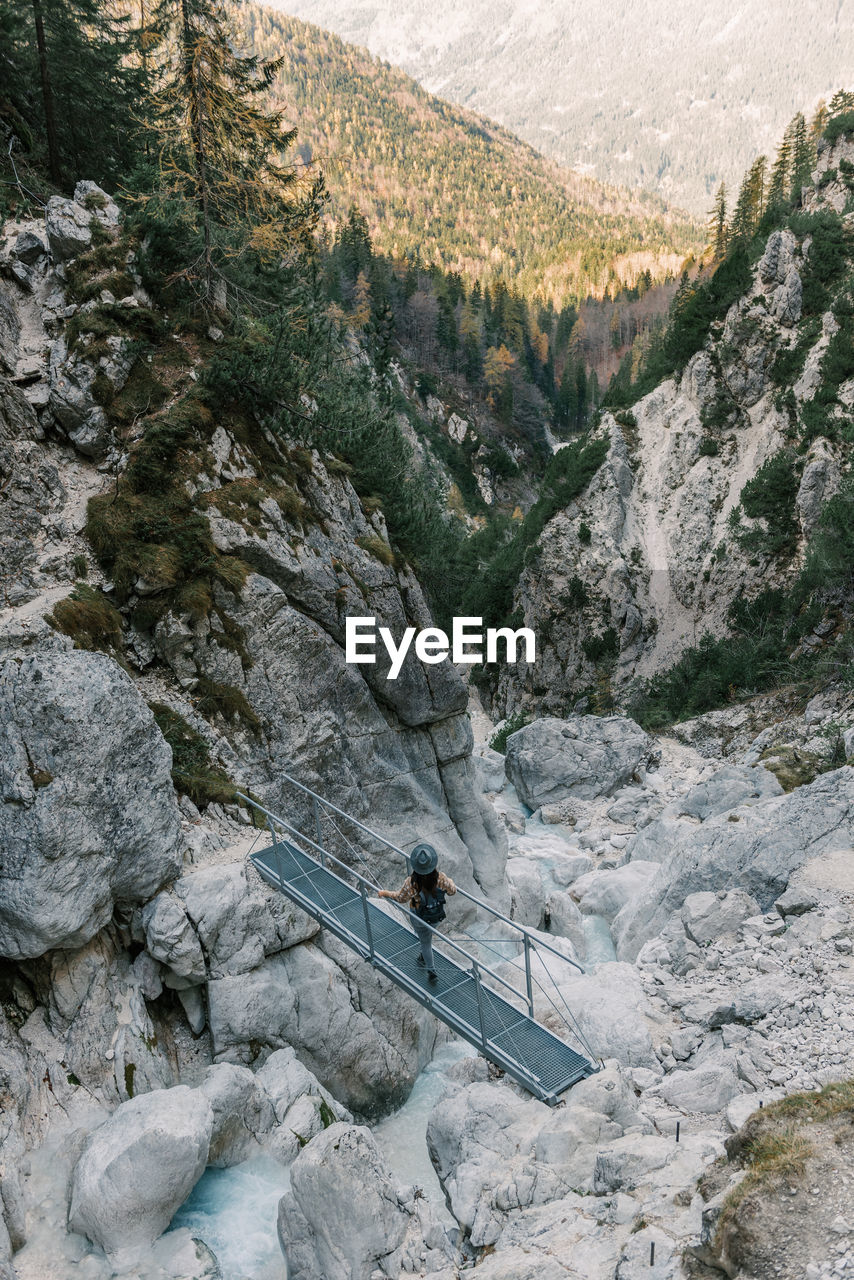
803	156
751	202
222	156
73	85
718	224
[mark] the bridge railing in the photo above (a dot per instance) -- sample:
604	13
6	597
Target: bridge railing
528	942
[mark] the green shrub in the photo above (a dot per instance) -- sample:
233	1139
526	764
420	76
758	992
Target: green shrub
193	774
585	534
839	125
770	496
826	258
709	447
377	547
576	594
225	700
603	648
498	741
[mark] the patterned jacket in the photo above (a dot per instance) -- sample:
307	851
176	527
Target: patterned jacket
408	892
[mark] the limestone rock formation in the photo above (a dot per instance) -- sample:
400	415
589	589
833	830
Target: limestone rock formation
89	818
342	1217
755	849
139	1167
584	756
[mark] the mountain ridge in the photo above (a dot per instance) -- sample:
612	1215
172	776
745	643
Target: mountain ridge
639	127
469	195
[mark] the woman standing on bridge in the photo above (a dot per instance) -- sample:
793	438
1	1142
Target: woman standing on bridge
425	890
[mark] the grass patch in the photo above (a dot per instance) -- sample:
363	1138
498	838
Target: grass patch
193	774
225	700
91	620
378	548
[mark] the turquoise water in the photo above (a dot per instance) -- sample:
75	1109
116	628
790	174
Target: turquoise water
598	945
402	1137
235	1211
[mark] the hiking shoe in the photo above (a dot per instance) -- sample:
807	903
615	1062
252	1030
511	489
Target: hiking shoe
432	975
420	961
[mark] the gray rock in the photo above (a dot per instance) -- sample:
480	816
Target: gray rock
795	902
182	1257
604	893
368	1056
29	247
96	202
728	788
138	1168
625	1163
89	819
238	925
565	919
31	490
241	1111
707	916
608	1006
527	892
757	853
171	939
779	274
820	480
489	765
584	756
706	1089
342	1217
68	226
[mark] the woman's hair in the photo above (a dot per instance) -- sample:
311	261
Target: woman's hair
427	882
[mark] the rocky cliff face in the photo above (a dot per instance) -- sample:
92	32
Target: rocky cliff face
136	948
650	557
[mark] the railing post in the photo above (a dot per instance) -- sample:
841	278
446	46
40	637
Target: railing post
476	975
528	983
317	828
367	920
276	848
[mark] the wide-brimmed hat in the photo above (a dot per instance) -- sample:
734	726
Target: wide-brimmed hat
424	859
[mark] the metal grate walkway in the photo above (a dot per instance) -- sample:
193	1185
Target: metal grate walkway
504	1034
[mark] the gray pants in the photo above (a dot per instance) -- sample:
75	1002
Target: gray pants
425	937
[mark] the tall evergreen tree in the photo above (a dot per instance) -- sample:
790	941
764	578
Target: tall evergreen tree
221	155
718	224
74	83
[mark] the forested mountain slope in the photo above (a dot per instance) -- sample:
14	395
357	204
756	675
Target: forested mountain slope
435	180
674	98
710	555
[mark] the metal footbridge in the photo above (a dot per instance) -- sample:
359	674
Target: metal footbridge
491	1007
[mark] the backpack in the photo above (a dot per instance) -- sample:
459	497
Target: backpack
431	905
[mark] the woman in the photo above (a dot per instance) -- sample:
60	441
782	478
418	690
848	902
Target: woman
425	891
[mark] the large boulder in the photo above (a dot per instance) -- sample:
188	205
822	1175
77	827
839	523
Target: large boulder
726	789
584	756
89	819
238	923
755	848
604	893
69	228
138	1168
342	1217
707	916
363	1039
171	939
609	1008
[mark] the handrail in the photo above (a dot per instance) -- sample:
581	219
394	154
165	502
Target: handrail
479	902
